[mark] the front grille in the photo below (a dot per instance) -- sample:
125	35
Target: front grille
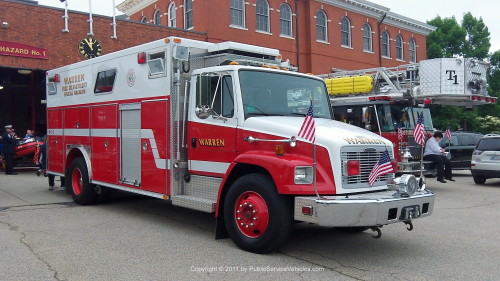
367	159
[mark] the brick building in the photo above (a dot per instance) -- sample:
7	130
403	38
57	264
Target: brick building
341	34
32	41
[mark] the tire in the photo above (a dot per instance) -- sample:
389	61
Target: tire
78	182
268	214
354	229
479	179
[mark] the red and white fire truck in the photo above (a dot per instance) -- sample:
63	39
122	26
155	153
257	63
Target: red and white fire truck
382	99
212	127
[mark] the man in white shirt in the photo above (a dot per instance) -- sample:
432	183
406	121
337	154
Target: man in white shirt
433	152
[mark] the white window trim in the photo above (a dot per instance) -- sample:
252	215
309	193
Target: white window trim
323	42
263	32
288	37
290	20
326	27
346	47
268	31
369	52
170	15
237	27
244	17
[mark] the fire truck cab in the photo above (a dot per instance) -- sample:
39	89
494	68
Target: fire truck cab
213	127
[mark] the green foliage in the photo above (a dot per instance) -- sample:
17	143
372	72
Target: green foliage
470	39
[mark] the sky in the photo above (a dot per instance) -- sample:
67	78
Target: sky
421	10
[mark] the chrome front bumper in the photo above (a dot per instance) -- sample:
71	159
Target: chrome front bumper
371	209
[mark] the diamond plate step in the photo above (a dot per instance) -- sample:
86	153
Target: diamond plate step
195	203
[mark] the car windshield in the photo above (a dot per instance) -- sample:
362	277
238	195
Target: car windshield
280	94
489	144
390	116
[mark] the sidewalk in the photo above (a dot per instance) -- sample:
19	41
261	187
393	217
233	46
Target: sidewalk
26	189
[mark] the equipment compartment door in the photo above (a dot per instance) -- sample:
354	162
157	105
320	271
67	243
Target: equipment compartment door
154	146
55	151
104	143
130	134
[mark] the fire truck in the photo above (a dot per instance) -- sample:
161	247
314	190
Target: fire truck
383	99
214	127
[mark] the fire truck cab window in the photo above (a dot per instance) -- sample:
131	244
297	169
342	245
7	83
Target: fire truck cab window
105	81
216	92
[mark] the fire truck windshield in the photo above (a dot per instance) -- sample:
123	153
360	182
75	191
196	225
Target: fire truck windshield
390	116
280	94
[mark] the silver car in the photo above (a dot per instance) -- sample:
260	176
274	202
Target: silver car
485	162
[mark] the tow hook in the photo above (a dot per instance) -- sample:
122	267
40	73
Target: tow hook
409	225
376	229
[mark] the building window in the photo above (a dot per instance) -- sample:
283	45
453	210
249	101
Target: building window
367	37
262	15
385	44
321	26
237	13
285	20
399	47
171	15
144	19
157	17
345	30
413	50
188	14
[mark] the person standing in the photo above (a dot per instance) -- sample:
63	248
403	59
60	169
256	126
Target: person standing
9	145
433	152
43	167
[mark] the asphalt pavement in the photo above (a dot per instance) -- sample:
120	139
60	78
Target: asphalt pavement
45	236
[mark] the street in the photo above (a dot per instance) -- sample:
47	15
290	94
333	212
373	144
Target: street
45	236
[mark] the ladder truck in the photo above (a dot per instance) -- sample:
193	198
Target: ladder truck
214	127
382	99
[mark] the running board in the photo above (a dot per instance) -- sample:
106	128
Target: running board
195	203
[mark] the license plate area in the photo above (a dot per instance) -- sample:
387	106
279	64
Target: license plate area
410	212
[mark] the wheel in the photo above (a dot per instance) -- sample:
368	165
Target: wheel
479	179
354	229
257	218
81	190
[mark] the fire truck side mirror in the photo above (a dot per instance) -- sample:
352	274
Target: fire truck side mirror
203	111
365	116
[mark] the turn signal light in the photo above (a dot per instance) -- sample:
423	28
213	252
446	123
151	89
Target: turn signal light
488	100
493	100
427	101
479	98
280	150
473	97
177	40
307	210
352	167
141	58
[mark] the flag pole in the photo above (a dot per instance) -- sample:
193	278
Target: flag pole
65	17
114	21
422	146
90	18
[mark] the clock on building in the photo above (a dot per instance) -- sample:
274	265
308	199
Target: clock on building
89	47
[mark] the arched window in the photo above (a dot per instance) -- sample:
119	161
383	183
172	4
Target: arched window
413	50
144	19
237	13
321	26
157	17
399	47
188	14
285	20
262	15
367	37
386	52
171	15
345	30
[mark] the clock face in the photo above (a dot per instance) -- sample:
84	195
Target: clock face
89	47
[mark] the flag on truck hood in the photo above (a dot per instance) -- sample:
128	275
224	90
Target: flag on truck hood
400	131
419	132
307	130
448	133
383	166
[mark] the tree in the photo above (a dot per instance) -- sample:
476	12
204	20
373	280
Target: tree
477	44
447	40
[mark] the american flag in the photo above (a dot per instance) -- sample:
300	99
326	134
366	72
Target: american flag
419	131
307	130
448	133
383	166
400	132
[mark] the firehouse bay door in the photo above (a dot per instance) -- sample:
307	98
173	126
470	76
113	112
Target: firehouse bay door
130	136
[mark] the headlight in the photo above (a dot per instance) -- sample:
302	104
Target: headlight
303	175
408	185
